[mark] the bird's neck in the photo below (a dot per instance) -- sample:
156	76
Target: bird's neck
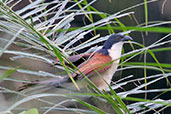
115	51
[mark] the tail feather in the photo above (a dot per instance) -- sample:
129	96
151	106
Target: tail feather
27	85
54	82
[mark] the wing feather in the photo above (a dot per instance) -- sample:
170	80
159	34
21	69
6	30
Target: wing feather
98	62
75	59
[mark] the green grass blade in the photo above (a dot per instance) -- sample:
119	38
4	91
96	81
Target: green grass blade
30	111
146	13
122	104
7	73
113	104
144	100
99	111
149	64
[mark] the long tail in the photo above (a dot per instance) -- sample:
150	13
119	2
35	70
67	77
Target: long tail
53	82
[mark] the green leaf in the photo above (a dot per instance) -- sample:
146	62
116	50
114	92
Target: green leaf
132	28
122	104
149	64
31	111
147	101
113	104
99	111
146	12
8	72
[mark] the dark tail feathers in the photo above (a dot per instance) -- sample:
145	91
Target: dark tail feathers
54	82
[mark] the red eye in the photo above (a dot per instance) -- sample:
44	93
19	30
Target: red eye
117	38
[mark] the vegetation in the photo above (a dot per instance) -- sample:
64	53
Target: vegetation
45	30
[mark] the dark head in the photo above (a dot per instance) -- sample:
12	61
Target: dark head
115	38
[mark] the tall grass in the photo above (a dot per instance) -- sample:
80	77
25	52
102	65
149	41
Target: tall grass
48	30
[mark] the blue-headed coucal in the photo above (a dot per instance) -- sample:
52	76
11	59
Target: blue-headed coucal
97	68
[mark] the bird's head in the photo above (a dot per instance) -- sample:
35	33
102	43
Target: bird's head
114	39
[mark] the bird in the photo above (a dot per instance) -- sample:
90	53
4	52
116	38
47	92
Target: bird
99	67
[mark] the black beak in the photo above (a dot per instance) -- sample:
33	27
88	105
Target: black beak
126	38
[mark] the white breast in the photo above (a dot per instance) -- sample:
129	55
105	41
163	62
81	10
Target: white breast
115	53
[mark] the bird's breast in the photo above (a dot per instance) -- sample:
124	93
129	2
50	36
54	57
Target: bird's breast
110	72
115	51
98	79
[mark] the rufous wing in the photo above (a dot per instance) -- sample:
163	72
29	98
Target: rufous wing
98	62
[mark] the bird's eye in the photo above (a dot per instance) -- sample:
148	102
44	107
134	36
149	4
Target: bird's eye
118	38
